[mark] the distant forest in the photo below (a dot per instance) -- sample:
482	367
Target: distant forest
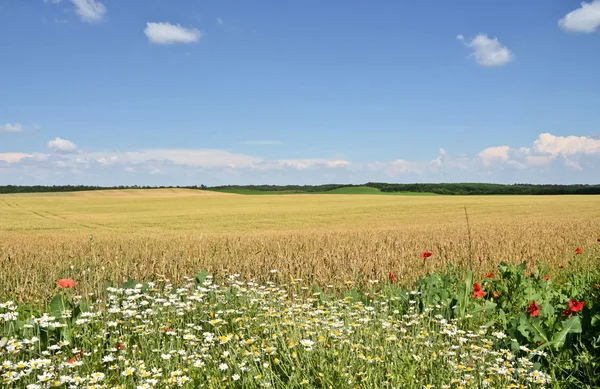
488	189
443	189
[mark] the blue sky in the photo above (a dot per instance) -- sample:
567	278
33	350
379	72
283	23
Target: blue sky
183	92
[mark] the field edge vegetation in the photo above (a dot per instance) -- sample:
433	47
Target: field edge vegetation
368	188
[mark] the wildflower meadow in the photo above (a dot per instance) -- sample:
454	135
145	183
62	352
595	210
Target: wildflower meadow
512	329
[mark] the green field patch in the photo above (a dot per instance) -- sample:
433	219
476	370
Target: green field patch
349	190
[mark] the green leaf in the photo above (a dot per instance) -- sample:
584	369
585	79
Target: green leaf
465	295
130	284
595	320
539	334
83	306
570	326
323	297
201	277
502	318
487	307
490	323
58	305
524	326
547	310
352	295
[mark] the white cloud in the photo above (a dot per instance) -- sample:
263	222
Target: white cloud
494	154
11	128
19	157
191	157
167	33
547	149
404	166
570	163
585	19
53	1
108	161
90	11
205	158
569	145
300	164
546	159
60	145
488	51
13	157
538	160
337	163
155	170
219	21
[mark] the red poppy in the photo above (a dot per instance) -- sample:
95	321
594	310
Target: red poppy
477	292
119	346
66	283
574	306
598	240
577	251
426	254
533	309
489	275
481	259
167	329
496	294
597	286
546	278
74	359
392	277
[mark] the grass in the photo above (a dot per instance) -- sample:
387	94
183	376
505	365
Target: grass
374	191
324	239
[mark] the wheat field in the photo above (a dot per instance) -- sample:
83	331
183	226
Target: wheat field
327	239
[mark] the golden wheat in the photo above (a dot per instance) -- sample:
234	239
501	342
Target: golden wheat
325	239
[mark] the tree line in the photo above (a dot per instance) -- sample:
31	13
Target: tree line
79	188
442	188
488	189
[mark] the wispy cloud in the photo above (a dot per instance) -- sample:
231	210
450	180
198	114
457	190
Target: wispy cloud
262	142
14	158
90	11
488	51
585	19
540	160
168	34
12	128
